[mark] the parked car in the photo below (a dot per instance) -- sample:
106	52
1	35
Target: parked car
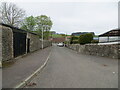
60	44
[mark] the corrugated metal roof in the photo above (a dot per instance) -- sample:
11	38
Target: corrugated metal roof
115	32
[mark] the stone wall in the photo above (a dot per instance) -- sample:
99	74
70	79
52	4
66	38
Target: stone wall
35	43
0	44
7	43
46	43
112	51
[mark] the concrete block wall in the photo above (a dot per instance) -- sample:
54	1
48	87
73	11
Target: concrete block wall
111	51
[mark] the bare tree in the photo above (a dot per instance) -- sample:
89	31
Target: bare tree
11	14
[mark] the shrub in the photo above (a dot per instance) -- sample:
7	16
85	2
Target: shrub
74	40
85	38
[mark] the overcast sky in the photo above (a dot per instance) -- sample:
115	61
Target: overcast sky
75	16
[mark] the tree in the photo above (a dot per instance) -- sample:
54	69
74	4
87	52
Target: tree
85	38
11	14
44	23
29	24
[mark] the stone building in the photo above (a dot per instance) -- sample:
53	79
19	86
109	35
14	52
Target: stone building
16	42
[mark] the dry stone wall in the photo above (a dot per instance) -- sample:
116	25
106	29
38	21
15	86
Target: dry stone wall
112	51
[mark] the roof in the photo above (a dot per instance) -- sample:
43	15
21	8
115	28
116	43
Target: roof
115	32
68	36
16	29
61	39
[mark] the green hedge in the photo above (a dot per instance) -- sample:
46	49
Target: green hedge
74	40
85	38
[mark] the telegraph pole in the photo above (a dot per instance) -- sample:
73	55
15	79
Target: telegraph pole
42	37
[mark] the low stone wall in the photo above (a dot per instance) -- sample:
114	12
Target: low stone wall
112	51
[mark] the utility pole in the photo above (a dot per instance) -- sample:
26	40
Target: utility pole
42	37
51	38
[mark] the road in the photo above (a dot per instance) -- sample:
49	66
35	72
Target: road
68	69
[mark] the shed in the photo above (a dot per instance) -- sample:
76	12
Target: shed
110	36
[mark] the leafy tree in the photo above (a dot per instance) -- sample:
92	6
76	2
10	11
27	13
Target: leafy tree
37	24
29	23
11	14
85	38
43	23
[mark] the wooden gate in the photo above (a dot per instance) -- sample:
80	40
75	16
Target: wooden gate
19	43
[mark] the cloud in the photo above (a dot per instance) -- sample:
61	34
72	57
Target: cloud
74	16
61	0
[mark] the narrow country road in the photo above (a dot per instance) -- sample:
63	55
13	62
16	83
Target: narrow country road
67	69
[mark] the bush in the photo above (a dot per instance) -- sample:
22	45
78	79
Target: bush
74	40
94	41
85	38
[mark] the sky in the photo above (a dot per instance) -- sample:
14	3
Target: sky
70	16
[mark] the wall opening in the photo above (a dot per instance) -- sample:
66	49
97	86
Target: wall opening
28	45
19	43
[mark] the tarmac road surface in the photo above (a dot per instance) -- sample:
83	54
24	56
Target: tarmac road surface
68	69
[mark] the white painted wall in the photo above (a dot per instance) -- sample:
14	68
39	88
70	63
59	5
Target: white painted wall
112	38
103	39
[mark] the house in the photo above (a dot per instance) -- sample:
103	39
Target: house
110	36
